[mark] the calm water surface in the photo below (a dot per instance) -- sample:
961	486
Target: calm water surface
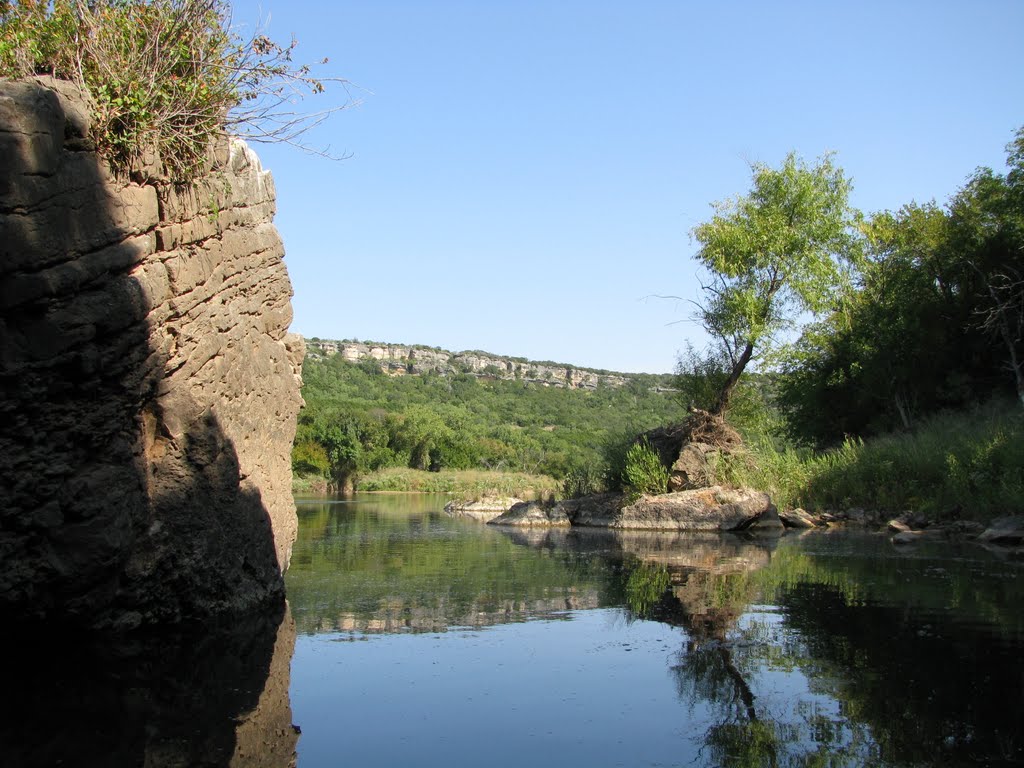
429	640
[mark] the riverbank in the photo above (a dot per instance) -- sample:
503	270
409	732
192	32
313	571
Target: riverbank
465	484
967	465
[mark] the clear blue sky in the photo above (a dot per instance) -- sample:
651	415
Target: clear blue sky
523	174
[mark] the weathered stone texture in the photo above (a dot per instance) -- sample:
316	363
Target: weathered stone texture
705	509
528	514
148	386
484	510
398	359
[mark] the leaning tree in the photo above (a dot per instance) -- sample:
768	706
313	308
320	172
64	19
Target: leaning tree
781	250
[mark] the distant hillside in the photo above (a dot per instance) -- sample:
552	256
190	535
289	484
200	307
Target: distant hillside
377	407
400	359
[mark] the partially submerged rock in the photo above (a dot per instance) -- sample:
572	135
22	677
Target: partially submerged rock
1004	530
485	509
955	529
915	537
797	518
528	514
703	509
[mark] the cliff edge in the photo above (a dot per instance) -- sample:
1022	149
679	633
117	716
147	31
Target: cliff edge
148	385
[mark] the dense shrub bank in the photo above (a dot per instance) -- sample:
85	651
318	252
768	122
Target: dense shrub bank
968	464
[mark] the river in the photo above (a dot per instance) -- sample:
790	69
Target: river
415	638
428	640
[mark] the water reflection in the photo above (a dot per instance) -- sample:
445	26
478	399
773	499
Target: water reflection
215	697
388	564
860	656
823	649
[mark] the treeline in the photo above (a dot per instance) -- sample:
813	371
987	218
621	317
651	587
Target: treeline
934	320
359	420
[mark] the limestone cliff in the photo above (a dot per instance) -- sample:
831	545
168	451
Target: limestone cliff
400	359
148	385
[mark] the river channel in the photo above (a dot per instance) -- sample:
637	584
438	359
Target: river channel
413	638
428	640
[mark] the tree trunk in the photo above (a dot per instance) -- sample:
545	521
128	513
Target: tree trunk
902	410
730	384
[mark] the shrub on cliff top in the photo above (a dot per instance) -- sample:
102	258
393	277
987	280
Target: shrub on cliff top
165	75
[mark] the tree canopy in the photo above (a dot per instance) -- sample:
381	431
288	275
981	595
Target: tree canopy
935	319
778	251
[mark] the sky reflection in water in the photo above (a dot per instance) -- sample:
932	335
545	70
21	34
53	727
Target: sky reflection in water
437	641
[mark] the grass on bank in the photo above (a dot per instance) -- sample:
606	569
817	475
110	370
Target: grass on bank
465	484
968	464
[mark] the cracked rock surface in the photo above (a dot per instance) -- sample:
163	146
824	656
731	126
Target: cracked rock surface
148	384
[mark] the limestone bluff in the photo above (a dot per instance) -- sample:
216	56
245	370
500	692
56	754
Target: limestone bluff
148	384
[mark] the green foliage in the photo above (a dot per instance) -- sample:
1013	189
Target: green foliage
469	484
165	75
701	376
366	421
646	585
782	249
934	322
310	458
583	481
643	472
971	463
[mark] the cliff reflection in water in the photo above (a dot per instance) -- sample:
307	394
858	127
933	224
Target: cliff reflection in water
831	648
214	697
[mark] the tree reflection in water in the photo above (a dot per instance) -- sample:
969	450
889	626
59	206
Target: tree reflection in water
723	658
829	649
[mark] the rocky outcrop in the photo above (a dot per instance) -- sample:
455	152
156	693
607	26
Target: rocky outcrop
598	511
691	449
1004	530
148	386
399	359
529	514
704	509
484	509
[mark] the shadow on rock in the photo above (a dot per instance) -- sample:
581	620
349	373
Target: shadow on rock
214	696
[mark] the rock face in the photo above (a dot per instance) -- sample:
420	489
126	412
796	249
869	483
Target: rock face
400	359
148	386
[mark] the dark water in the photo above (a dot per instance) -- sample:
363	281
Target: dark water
426	640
